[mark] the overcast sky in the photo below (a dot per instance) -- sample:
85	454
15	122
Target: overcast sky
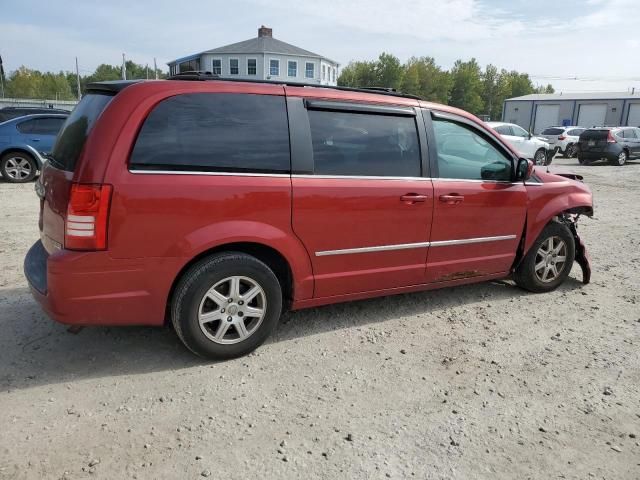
597	41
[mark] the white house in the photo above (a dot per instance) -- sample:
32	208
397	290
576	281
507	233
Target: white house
261	58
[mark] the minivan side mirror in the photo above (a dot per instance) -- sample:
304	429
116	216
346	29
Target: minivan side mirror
524	169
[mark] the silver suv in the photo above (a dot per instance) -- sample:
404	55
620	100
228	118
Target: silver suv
563	139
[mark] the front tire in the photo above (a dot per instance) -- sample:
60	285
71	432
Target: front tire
226	305
18	167
549	260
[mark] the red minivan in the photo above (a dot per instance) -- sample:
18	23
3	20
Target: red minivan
216	204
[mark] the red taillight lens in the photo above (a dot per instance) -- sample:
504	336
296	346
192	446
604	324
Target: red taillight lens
611	138
87	217
562	137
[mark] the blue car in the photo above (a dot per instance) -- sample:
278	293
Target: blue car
24	144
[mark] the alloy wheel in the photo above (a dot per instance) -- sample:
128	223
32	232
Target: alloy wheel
622	158
551	259
540	157
232	310
18	168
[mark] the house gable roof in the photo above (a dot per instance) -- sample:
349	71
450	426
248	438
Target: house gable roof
259	45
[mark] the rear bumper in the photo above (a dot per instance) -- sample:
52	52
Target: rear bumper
610	152
91	288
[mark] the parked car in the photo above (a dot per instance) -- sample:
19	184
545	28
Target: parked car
563	139
24	144
613	144
526	145
7	113
216	204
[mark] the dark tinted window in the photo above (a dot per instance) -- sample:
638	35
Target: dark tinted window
215	132
575	132
553	131
465	153
364	144
26	126
47	126
75	130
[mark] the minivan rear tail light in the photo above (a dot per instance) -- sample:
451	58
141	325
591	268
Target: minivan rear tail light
87	217
611	138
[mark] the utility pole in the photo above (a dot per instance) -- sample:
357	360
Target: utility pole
124	69
147	71
155	67
78	80
1	77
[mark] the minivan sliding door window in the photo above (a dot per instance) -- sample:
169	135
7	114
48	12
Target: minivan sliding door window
215	132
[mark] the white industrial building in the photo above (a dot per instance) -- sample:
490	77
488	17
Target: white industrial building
261	58
537	111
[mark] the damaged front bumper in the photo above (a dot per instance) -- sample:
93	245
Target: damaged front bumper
582	256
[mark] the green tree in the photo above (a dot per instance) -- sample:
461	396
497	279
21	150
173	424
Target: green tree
492	103
424	78
388	71
28	83
466	91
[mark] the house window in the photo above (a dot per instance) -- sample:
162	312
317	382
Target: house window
274	68
252	68
234	68
324	73
292	68
190	66
216	66
309	70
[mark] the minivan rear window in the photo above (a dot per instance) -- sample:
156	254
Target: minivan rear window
74	133
218	132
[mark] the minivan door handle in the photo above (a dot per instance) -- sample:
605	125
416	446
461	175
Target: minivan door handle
452	198
412	198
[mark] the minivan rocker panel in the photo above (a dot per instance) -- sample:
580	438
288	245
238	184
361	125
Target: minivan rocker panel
217	204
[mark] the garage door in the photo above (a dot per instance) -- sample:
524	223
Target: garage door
592	114
634	115
546	116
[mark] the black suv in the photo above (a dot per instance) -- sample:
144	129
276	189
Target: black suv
7	113
613	144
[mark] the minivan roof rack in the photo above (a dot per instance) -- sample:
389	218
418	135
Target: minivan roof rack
199	75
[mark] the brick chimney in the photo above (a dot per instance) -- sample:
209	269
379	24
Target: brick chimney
265	32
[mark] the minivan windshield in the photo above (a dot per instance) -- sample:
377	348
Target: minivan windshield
75	131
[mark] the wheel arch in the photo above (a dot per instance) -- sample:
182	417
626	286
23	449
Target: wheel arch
576	203
28	149
272	257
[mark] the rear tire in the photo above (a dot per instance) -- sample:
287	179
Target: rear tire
571	151
548	262
621	159
226	305
18	167
540	157
582	160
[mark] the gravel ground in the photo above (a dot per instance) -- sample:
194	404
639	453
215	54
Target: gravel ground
483	381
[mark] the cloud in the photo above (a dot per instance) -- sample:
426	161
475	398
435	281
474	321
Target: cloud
514	34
